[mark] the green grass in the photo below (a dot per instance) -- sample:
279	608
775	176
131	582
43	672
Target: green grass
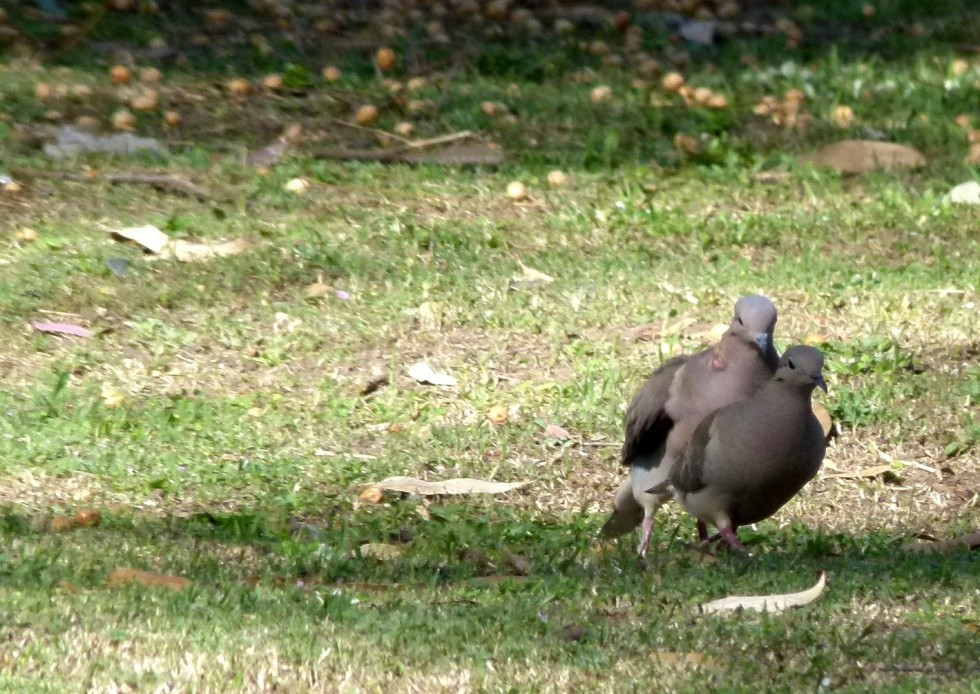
216	422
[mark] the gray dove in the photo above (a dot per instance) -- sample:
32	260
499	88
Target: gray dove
676	397
746	460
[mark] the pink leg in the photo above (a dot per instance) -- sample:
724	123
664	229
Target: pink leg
645	537
729	536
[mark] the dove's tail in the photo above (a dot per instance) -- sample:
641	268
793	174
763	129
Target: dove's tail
626	515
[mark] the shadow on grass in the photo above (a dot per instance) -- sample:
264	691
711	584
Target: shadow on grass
452	597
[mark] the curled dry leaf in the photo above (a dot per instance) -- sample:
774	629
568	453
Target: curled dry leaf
423	373
497	414
463	485
968	541
61	329
767	603
380	551
87	517
862	156
371	495
187	252
124	575
149	237
316	290
553	431
866	473
69	588
683	659
60	524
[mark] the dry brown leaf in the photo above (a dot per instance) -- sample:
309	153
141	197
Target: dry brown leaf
69	588
381	551
187	252
968	541
678	658
60	524
460	154
87	517
767	603
494	580
315	290
866	473
553	431
519	564
149	237
371	495
463	485
497	414
124	575
862	156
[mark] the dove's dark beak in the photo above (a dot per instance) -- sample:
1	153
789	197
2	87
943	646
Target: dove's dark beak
762	339
818	379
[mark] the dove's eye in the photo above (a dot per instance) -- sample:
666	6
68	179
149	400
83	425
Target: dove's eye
792	364
739	318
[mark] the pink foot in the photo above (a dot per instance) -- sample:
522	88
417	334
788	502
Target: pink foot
645	537
729	536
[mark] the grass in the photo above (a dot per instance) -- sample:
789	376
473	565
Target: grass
216	419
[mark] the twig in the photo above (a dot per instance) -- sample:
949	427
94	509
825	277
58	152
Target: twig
440	140
373	131
161	182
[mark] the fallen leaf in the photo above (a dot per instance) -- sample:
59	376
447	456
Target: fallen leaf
497	414
767	603
968	541
381	551
362	587
529	277
553	431
966	193
60	524
316	290
678	658
463	485
62	329
462	154
862	156
149	237
69	588
519	564
122	576
371	495
866	473
87	517
494	580
111	398
423	373
823	416
187	252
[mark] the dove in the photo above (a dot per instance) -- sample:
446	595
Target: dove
676	397
746	460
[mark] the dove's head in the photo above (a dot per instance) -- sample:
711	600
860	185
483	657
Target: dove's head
754	321
802	367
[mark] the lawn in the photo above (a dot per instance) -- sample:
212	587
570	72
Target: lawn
222	425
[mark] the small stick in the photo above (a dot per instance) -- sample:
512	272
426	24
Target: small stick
373	131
